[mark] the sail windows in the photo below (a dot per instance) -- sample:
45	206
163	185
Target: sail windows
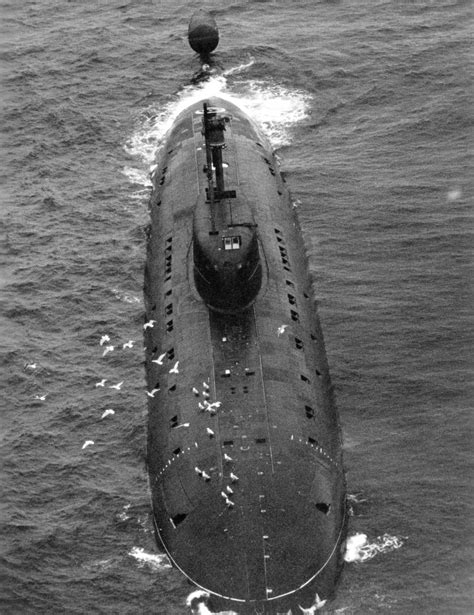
232	243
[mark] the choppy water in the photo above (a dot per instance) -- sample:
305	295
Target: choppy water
368	104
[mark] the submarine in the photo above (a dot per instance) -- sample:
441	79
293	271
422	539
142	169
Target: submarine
244	450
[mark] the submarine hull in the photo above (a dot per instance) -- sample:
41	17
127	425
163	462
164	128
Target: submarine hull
244	446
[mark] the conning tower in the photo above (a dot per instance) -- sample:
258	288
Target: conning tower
227	263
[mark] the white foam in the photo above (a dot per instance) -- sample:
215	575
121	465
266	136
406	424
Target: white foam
454	194
156	561
359	549
126	297
274	107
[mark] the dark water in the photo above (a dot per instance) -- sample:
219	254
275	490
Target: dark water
368	104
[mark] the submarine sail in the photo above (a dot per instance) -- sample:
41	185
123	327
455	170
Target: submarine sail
244	447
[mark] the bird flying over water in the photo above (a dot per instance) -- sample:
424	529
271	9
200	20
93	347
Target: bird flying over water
107	350
87	443
149	324
41	397
103	339
101	383
175	370
318	604
117	386
281	329
128	344
107	413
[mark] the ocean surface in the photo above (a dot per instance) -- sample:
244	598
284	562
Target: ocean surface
368	104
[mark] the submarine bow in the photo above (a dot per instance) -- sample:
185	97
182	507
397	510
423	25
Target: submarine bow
244	447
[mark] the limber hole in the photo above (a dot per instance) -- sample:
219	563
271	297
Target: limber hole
323	507
179	518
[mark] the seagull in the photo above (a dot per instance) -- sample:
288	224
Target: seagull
107	413
227	457
152	393
116	386
128	344
210	409
159	360
87	443
281	329
107	350
212	406
103	339
209	432
175	370
101	383
149	324
318	604
195	391
41	397
233	477
229	490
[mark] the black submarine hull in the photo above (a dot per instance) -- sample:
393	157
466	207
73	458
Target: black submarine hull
244	445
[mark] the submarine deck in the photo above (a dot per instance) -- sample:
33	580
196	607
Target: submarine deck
244	444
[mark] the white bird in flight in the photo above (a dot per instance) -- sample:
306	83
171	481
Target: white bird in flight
318	604
174	369
107	412
212	405
281	329
149	324
41	397
152	393
87	443
117	386
128	344
107	350
30	366
103	339
101	383
159	360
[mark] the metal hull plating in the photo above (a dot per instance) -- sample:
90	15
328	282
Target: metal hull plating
244	451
